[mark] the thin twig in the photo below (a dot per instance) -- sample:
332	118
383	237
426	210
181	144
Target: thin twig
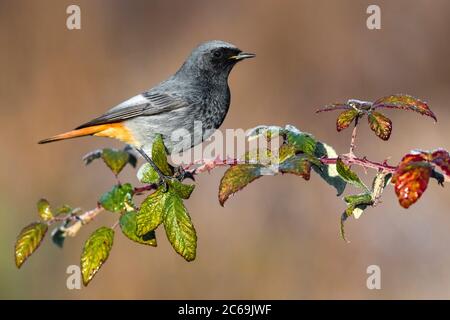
83	219
140	190
354	133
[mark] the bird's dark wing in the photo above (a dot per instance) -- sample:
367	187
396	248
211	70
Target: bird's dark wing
146	104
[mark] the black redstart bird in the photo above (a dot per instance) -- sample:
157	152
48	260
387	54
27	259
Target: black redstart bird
197	92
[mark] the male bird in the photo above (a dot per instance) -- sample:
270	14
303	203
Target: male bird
198	91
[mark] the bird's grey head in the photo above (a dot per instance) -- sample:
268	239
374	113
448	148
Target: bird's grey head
212	60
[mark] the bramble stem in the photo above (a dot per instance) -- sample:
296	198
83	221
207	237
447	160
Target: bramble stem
208	165
363	162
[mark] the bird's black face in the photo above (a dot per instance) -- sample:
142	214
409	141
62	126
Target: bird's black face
212	61
224	58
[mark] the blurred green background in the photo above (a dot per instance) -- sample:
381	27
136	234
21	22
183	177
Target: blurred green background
277	239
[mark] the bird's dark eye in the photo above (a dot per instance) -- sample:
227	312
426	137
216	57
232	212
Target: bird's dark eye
217	54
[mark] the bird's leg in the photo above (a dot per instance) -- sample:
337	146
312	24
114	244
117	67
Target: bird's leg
162	176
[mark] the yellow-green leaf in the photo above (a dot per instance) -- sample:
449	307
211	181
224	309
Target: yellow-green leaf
179	228
28	241
146	174
380	124
236	178
44	210
183	190
115	159
159	155
151	213
128	225
96	252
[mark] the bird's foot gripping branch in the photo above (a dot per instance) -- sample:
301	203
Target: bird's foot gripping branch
299	153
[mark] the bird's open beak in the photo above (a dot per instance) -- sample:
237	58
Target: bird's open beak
242	55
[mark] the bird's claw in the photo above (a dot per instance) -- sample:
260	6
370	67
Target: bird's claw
181	174
164	182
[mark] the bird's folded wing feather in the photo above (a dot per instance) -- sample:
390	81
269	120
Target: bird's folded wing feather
146	104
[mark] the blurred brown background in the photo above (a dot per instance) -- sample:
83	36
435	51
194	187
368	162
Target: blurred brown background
278	238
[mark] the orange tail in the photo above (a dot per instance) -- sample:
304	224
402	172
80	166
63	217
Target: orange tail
112	130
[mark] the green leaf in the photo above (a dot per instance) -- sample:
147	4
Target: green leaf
28	241
358	199
151	213
183	190
179	228
356	204
236	178
159	155
267	132
346	118
329	172
116	160
44	210
380	124
128	225
96	252
146	174
302	141
118	199
348	175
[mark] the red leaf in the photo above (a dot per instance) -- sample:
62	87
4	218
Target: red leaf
334	106
441	158
405	102
380	124
411	178
346	118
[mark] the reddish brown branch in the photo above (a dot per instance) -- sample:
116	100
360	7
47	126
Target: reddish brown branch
363	162
139	190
